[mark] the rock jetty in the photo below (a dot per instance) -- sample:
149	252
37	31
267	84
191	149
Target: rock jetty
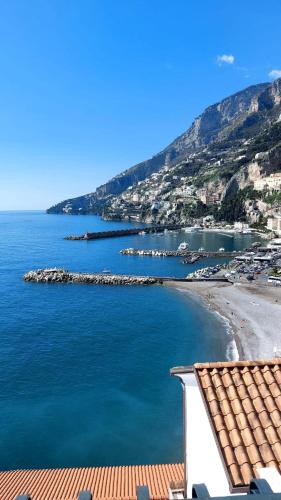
188	254
63	276
155	253
126	232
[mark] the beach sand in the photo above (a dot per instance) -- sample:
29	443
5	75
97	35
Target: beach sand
253	313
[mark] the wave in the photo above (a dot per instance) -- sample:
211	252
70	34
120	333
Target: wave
232	353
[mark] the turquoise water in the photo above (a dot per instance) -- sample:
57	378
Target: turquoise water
84	376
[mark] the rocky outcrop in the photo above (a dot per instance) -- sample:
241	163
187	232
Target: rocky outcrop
63	276
245	110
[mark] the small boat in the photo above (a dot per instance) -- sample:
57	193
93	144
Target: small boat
201	249
183	246
221	249
142	233
106	271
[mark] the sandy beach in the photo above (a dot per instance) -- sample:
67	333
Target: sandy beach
253	313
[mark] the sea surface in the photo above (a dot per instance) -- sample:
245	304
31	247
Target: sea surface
84	370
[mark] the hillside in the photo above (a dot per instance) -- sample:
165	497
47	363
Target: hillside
204	167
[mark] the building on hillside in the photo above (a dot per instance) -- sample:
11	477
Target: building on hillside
232	425
274	224
241	226
271	182
209	197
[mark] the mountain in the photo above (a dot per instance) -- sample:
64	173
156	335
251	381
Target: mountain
229	133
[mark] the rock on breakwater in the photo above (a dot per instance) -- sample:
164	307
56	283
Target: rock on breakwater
155	253
179	253
63	276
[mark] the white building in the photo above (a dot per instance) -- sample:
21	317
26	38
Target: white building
241	226
274	224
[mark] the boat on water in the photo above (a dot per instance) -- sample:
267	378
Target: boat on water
221	249
201	249
183	246
106	271
142	233
193	229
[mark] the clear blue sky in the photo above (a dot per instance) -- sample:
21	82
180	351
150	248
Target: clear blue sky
90	87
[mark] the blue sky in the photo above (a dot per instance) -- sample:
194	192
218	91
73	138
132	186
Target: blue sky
89	88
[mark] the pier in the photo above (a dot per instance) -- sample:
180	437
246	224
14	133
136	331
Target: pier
62	276
189	255
126	232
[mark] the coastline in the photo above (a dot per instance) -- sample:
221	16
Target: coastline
252	312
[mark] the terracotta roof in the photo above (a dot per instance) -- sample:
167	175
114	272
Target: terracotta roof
243	400
105	483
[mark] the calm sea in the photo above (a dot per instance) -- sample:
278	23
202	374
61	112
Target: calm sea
84	377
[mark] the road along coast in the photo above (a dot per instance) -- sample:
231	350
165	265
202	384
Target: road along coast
252	311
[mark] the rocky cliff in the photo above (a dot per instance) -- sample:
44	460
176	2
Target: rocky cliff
220	132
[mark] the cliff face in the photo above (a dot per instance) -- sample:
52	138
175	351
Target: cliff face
224	125
215	120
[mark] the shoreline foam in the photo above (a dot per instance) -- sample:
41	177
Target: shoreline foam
252	313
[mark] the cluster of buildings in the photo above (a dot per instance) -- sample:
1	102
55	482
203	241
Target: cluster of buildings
271	183
168	194
206	176
157	197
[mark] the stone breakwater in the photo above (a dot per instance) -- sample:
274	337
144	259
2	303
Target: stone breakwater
64	276
155	253
126	232
178	253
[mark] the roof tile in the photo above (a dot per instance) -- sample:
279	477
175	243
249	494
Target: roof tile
278	401
241	455
271	434
230	457
243	399
247	472
254	454
235	438
236	474
266	452
105	483
247	437
259	436
219	422
277	374
277	451
276	418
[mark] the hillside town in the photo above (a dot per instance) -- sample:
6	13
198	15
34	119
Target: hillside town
176	194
